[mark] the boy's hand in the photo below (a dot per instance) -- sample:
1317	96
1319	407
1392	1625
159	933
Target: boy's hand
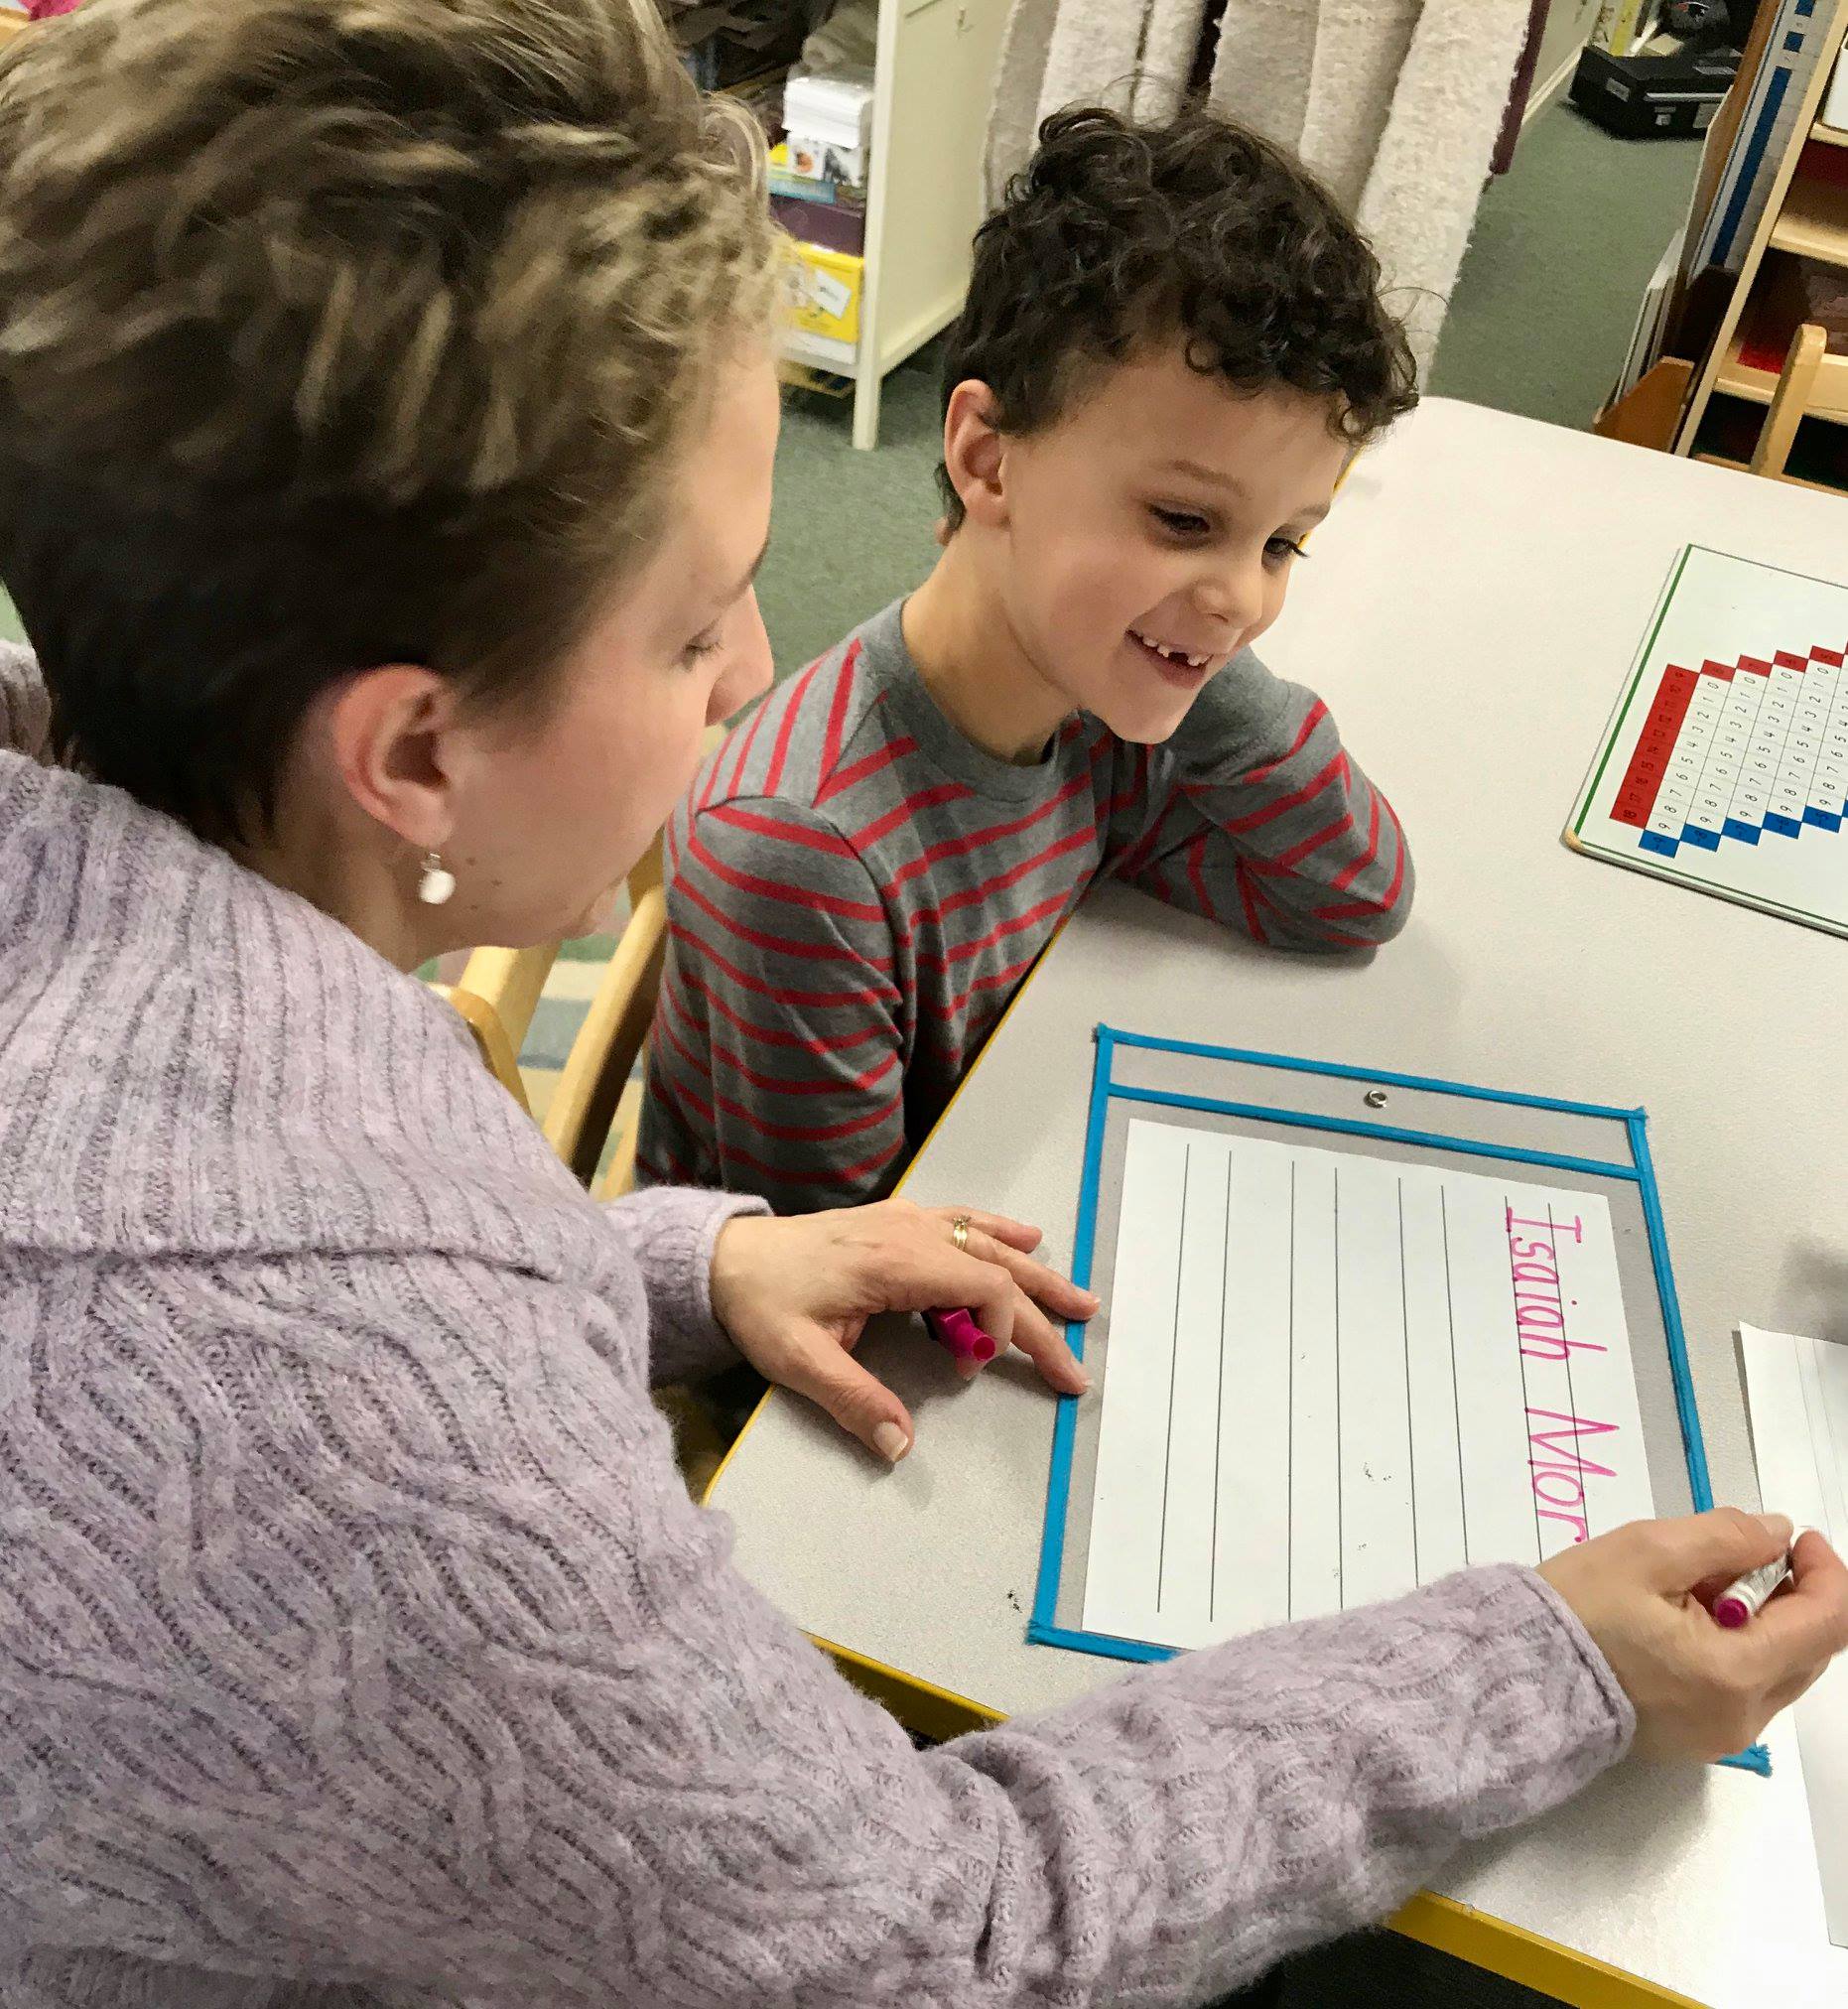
1699	1690
795	1296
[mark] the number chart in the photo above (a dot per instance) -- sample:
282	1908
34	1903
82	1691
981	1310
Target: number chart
1726	763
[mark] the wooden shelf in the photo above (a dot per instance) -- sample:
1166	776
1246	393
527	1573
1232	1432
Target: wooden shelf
1791	480
1797	178
1814	223
1741	381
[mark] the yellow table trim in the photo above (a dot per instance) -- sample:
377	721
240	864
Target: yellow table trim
918	1704
1516	1955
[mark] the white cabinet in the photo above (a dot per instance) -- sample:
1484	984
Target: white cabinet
934	77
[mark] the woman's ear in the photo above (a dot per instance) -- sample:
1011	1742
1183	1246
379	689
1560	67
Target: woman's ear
975	453
392	737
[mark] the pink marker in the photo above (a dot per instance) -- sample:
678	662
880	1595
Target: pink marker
958	1331
1745	1599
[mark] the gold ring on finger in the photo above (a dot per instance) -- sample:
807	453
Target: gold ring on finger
959	1233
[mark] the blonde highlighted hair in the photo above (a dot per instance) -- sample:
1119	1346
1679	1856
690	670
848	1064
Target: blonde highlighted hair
375	322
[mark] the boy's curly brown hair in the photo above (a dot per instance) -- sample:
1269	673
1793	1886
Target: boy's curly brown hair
1117	236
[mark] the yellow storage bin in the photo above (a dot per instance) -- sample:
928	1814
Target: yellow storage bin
824	290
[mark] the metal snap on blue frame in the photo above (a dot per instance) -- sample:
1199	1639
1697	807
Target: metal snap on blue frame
1043	1628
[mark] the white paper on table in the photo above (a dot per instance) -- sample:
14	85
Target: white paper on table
1798	1392
1333	1378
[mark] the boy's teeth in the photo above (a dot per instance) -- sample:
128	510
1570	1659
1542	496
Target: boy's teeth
1173	655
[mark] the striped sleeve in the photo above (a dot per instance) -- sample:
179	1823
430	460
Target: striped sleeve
1265	821
778	1037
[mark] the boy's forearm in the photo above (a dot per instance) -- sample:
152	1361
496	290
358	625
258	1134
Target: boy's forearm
1292	841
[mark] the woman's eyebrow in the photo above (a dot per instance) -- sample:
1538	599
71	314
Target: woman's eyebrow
751	578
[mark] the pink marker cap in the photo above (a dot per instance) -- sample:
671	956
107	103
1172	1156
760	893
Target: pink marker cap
1731	1612
958	1331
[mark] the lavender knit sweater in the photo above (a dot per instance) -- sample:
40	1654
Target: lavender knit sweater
359	1645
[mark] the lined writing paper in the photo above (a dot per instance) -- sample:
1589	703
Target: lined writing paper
1332	1378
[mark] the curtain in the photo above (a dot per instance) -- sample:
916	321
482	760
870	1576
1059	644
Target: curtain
1396	104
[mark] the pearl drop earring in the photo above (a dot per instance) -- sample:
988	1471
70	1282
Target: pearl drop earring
437	884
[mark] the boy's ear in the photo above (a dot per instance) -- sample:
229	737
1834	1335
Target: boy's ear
974	452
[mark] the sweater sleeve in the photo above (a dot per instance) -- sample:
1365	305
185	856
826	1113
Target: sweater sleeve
404	1660
775	1056
1256	816
25	705
670	1232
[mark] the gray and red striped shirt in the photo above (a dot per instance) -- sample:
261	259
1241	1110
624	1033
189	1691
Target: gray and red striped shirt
855	891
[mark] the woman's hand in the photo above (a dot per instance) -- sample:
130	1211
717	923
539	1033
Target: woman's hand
796	1294
1701	1690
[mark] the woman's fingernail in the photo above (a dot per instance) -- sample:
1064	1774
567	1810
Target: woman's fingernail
1083	1379
890	1442
1777	1526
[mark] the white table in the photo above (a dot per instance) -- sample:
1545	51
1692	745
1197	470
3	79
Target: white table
1470	610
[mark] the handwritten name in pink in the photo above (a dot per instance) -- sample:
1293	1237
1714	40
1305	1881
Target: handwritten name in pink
1539	1307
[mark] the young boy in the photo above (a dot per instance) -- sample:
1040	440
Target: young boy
1172	343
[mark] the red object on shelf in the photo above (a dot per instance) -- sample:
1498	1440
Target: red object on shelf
1759	351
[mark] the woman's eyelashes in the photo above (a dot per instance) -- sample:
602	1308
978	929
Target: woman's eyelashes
701	645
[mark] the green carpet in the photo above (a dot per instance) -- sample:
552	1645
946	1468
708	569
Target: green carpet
850	531
1541	317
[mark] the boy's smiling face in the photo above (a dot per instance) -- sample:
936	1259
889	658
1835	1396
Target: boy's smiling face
1142	539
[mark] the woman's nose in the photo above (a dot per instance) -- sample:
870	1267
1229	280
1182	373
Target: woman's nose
750	671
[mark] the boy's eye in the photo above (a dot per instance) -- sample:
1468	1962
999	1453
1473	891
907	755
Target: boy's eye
1180	522
1281	548
701	645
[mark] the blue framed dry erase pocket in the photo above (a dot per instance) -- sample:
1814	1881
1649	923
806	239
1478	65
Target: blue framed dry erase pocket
1359	1329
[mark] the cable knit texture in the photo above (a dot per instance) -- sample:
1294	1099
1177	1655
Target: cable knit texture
358	1644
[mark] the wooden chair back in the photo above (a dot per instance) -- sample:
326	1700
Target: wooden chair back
609	1042
497	995
1791	401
